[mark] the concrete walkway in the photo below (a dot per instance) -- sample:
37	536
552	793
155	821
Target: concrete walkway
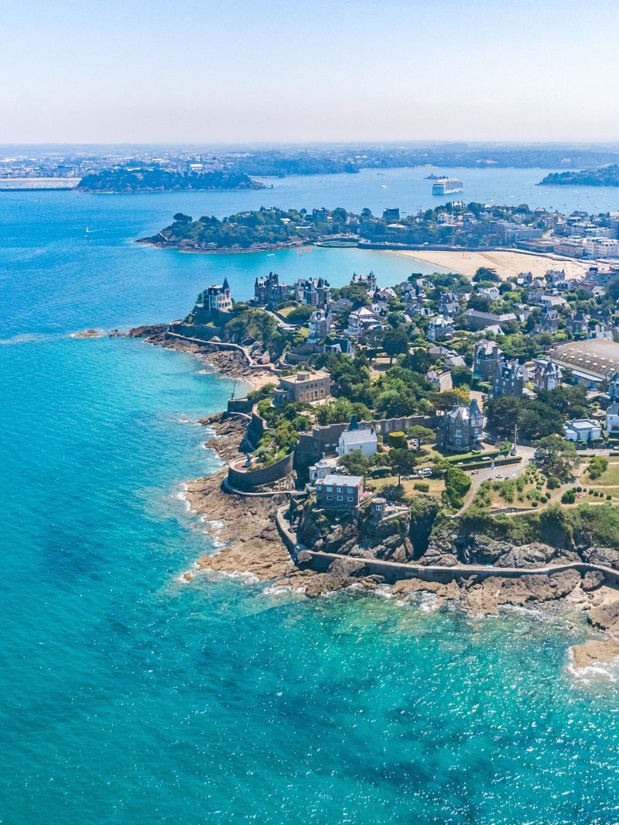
395	571
223	347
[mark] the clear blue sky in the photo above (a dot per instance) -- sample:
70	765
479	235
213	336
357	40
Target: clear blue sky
281	70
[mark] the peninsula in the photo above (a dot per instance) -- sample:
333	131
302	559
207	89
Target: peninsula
452	226
439	436
604	176
123	179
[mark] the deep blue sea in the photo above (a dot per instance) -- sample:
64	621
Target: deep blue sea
131	698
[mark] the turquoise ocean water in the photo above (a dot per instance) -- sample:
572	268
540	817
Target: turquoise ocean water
129	697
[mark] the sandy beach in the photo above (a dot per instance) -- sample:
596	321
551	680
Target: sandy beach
506	262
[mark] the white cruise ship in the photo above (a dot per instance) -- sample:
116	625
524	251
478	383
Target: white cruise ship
444	186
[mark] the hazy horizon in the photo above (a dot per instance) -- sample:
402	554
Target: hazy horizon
240	73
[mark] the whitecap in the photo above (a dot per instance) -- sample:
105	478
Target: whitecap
599	672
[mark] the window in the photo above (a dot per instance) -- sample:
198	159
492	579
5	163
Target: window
350	498
329	489
340	498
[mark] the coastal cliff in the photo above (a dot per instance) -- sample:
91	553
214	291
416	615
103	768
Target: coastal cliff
245	529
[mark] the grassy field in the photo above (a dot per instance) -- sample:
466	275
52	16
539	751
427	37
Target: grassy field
437	485
609	477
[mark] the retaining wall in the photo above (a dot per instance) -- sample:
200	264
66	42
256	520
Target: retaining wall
240	405
325	439
256	428
249	480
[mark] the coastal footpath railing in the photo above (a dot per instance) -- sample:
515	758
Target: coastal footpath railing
393	571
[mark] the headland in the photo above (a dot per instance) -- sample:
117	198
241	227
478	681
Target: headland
451	230
438	437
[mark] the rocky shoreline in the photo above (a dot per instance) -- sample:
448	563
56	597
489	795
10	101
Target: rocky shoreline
249	544
224	250
244	527
229	363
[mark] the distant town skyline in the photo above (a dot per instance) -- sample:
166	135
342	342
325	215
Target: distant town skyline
276	71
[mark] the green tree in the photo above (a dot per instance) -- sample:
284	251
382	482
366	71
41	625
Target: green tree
402	462
556	456
397	440
355	463
357	294
395	342
448	399
341	410
421	434
597	467
485	273
300	314
461	376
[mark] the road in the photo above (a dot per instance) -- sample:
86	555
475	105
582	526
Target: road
497	473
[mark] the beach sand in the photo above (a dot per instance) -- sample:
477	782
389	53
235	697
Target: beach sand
506	262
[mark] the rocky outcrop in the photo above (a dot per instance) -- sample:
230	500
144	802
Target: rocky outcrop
146	331
449	546
358	538
341	573
595	652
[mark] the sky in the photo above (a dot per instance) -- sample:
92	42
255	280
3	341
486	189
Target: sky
227	71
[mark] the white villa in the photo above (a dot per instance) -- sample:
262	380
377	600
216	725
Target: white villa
358	439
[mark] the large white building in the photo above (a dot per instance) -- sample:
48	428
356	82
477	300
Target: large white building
583	429
364	440
601	247
216	298
612	418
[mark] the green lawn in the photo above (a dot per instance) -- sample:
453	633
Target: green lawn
610	476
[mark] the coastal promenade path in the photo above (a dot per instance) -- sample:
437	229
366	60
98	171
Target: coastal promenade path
221	345
393	571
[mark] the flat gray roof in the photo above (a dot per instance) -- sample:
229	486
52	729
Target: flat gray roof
341	481
358	436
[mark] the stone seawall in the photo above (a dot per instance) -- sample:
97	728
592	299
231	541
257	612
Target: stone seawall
240	405
256	428
249	480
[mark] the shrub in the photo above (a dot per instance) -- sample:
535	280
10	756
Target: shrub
393	492
300	314
397	440
422	486
597	466
534	503
263	392
553	483
568	497
609	497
